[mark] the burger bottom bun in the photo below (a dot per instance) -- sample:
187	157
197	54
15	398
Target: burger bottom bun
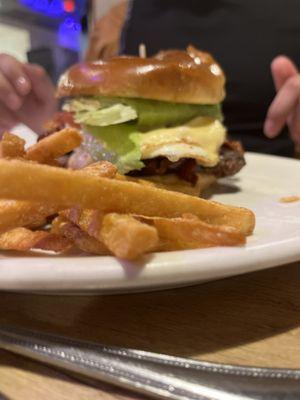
172	182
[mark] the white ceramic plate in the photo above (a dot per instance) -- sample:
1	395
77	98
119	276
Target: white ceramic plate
276	241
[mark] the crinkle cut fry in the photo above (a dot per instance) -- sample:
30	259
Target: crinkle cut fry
69	188
23	239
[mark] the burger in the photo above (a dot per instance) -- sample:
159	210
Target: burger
157	118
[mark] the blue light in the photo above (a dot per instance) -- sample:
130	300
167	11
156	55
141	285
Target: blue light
51	8
69	34
69	30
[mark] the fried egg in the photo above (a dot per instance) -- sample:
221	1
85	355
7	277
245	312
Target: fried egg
199	139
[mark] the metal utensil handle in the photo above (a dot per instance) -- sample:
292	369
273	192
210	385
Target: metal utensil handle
157	375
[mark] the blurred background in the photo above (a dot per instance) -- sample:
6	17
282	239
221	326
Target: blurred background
52	33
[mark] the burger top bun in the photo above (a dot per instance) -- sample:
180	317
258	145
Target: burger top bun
190	76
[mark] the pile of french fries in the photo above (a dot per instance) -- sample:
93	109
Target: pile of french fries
44	206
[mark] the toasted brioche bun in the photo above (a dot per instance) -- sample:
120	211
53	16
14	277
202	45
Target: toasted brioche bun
174	183
190	76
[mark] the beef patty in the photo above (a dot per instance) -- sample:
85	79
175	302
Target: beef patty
231	161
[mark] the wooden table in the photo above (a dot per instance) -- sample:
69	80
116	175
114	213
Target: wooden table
250	319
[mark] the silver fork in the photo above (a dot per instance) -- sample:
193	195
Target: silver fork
157	375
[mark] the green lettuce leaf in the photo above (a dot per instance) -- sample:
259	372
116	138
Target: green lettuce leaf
158	114
150	114
117	139
91	111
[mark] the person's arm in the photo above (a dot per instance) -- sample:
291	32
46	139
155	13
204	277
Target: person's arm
26	94
285	108
104	40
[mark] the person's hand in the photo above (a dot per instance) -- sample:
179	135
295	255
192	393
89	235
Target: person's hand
285	108
26	95
104	41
